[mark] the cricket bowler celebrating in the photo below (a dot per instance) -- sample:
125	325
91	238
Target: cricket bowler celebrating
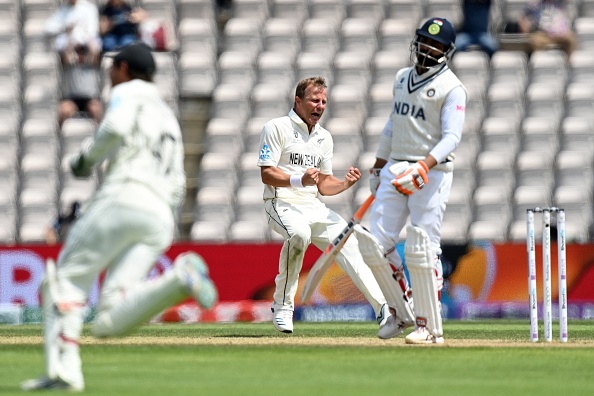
413	170
128	224
296	163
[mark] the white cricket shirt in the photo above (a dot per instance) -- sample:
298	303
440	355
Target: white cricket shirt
141	139
427	116
84	16
286	144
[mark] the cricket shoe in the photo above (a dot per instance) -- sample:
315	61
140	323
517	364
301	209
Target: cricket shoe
390	325
283	320
422	336
194	273
50	384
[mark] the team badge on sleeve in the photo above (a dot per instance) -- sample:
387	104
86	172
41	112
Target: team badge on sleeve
265	153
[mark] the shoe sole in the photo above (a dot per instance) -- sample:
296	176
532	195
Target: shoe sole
437	341
393	334
40	384
279	328
287	331
206	294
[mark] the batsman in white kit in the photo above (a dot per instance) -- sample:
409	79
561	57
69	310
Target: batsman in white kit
296	164
128	224
412	176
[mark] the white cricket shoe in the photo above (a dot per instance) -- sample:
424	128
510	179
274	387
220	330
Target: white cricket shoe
422	336
45	383
283	320
194	273
390	325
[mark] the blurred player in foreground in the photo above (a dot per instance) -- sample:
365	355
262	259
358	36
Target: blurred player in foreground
296	163
413	170
128	224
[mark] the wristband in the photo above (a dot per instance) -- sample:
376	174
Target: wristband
296	181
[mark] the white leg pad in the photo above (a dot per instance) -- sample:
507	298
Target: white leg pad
51	330
70	361
420	259
396	291
62	329
139	305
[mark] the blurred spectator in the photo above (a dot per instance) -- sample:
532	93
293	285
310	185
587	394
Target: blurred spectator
80	86
119	24
476	27
223	10
56	233
550	24
75	23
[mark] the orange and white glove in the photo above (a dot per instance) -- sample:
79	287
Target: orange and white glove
412	179
374	179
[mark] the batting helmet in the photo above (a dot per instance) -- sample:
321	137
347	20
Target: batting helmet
425	53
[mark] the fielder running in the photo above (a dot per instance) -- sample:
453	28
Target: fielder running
128	224
296	163
413	169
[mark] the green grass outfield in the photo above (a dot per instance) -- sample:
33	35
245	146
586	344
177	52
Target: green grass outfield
479	358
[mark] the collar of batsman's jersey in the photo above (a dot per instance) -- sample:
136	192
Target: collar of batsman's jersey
447	165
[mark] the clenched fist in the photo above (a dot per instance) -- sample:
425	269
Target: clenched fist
311	177
352	175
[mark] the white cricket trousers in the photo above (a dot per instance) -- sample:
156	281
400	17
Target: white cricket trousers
426	208
112	234
122	237
312	222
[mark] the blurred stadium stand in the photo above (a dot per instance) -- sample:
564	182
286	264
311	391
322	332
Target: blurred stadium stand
527	141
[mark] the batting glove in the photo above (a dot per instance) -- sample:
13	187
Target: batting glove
374	179
412	179
80	167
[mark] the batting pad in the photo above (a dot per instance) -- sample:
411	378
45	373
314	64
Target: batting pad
382	271
420	259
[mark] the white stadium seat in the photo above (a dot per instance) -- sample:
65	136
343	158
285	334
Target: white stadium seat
529	119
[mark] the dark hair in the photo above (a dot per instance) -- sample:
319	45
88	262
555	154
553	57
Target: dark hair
133	73
140	60
141	76
302	85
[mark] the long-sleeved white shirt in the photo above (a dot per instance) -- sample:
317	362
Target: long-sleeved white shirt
141	140
83	17
427	116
